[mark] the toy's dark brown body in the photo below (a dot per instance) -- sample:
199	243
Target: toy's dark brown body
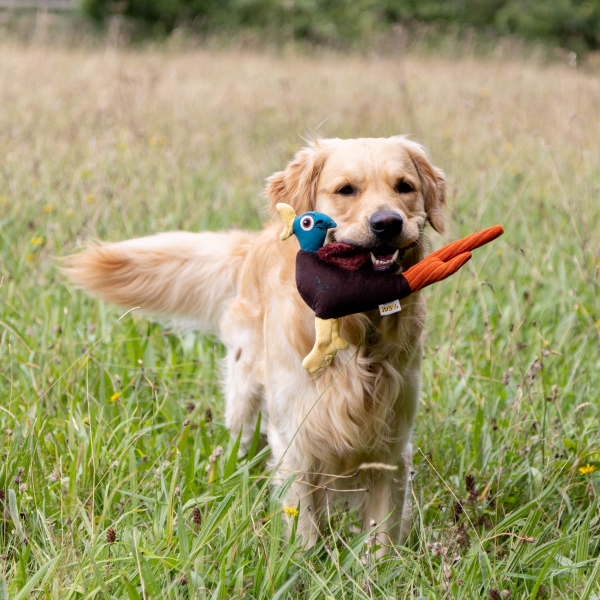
333	291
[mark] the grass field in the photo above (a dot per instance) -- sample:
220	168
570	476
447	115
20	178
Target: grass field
108	493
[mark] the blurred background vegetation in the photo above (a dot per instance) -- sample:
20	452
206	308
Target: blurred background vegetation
572	24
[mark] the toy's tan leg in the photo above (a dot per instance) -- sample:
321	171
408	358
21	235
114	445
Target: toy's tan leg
338	341
324	349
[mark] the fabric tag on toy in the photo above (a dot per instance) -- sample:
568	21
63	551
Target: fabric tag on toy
389	308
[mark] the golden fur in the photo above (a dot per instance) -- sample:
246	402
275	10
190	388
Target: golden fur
242	286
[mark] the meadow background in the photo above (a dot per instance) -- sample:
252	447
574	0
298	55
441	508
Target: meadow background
117	476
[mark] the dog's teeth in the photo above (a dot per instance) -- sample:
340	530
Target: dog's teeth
395	255
373	259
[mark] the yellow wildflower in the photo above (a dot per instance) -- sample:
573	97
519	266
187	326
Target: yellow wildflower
290	511
587	470
30	257
597	324
90	197
153	141
484	92
508	147
115	396
47	207
37	241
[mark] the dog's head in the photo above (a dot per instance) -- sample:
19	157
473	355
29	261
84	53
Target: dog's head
380	192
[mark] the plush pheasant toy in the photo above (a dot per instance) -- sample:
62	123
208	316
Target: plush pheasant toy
333	283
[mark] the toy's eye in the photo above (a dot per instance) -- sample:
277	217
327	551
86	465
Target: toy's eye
307	223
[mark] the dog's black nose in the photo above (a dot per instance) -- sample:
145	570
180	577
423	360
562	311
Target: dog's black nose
386	224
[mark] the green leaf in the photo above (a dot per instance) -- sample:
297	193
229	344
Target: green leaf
144	570
216	594
182	536
170	507
583	536
215	518
205	440
30	585
351	554
97	573
232	460
151	584
477	427
14	512
131	591
255	438
591	582
569	445
542	574
285	588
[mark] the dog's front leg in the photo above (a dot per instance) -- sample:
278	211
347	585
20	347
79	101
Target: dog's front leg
309	515
301	496
388	502
387	505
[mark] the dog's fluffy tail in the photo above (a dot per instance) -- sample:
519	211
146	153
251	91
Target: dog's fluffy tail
179	276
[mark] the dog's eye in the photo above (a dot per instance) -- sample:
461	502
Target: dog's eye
307	223
346	190
403	187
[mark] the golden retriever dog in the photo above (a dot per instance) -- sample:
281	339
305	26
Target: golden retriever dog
241	286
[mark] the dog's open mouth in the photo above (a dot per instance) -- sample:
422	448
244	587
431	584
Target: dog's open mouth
382	258
353	258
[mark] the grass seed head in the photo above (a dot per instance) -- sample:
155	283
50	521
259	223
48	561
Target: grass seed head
470	483
196	516
457	511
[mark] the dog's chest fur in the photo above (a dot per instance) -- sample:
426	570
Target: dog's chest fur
352	410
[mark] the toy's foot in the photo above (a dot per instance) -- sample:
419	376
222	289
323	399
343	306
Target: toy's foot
324	349
338	341
318	360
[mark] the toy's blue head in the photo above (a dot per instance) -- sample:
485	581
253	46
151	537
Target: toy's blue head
311	230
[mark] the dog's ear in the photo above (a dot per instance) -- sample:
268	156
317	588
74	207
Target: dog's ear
297	185
433	184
